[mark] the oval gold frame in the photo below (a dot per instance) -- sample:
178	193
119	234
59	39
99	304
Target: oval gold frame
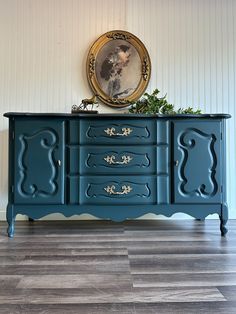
145	70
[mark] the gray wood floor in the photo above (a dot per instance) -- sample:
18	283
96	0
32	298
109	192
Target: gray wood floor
98	267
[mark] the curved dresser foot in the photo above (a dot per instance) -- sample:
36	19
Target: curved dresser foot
224	219
223	229
11	221
11	229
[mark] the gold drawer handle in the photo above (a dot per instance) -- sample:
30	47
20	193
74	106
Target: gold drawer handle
111	132
111	190
111	160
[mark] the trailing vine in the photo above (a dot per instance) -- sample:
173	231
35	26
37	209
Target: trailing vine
152	104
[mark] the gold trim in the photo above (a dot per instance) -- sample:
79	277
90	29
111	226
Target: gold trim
145	70
118	35
91	65
124	101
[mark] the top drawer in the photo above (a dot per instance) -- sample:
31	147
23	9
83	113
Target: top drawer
91	131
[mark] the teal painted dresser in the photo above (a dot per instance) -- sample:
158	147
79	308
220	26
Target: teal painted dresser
116	167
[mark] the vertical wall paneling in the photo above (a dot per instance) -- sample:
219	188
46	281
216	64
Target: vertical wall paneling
44	44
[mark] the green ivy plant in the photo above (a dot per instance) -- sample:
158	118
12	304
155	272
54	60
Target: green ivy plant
152	104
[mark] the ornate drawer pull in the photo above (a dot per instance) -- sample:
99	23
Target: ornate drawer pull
111	160
111	190
111	132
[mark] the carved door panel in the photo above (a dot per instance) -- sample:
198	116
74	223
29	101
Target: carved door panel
39	162
197	161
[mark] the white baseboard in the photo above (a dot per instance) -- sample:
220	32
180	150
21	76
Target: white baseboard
2	216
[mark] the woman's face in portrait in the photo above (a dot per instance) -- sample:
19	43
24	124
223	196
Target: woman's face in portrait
123	57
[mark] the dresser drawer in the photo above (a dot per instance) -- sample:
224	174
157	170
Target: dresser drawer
109	131
113	160
118	190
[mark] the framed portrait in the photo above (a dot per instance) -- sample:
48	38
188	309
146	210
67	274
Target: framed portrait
118	68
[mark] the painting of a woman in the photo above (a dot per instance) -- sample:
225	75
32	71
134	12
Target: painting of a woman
118	69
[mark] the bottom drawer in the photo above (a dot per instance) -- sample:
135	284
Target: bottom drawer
118	190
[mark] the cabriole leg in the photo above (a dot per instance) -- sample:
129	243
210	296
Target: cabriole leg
224	219
11	221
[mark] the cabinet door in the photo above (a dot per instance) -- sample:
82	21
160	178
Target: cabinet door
39	162
197	161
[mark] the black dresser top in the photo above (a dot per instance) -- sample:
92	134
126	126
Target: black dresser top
117	115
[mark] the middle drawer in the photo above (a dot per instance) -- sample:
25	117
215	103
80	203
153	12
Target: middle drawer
113	160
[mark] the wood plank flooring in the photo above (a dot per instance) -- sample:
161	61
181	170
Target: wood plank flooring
135	267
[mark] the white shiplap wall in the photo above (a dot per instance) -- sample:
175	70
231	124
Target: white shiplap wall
44	44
